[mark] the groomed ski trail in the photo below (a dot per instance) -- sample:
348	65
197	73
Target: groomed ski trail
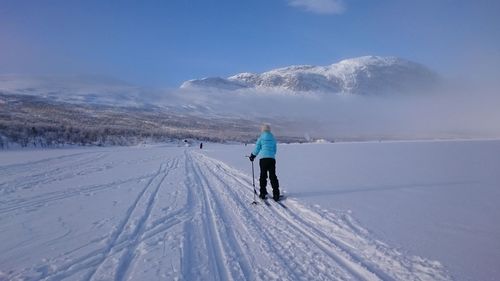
191	219
301	243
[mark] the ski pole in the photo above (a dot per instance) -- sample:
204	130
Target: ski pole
253	184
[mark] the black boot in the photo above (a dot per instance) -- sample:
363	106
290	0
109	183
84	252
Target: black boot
276	194
263	192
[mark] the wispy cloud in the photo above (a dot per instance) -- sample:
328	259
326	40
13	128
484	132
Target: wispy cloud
320	6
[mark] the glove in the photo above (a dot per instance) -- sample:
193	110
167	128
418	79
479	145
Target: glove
252	157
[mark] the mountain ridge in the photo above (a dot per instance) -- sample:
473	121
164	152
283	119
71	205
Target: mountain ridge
361	75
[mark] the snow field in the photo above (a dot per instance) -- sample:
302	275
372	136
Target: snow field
156	213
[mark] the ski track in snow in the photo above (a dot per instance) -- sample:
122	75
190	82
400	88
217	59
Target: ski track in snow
191	219
46	171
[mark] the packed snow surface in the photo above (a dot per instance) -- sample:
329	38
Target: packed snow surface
180	213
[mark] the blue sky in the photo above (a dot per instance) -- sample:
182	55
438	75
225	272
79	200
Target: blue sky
162	43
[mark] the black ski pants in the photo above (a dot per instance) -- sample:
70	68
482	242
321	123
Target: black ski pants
268	165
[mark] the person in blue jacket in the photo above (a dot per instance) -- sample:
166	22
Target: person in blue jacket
265	147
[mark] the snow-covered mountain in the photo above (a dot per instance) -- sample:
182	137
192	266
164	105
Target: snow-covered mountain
362	75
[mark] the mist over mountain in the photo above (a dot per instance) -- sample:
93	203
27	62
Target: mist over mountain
364	98
77	89
368	75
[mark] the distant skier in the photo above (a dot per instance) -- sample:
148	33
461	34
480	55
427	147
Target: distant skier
265	147
201	145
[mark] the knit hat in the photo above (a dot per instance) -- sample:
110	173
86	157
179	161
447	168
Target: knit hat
265	127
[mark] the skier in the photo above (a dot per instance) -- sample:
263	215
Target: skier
265	147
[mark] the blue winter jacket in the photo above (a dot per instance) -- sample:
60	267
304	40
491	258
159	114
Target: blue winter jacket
265	147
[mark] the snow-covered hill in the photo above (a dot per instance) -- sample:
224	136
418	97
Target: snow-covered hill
76	89
58	110
362	75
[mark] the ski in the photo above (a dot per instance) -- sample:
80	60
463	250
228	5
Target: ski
281	204
265	201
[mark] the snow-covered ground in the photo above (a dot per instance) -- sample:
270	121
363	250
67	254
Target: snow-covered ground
354	211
